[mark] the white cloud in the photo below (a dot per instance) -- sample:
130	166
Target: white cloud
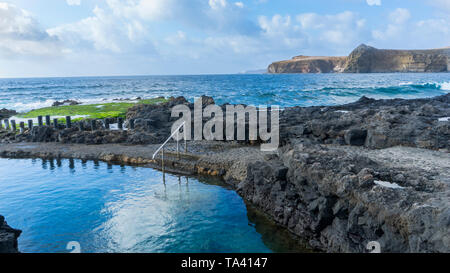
280	30
122	24
284	36
217	4
373	2
336	32
73	2
434	33
400	16
441	4
129	26
206	15
102	31
177	39
403	32
441	27
21	34
239	4
396	27
144	10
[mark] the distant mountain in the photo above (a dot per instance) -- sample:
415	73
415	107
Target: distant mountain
367	59
256	71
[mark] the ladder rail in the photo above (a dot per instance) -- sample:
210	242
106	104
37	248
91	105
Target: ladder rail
170	137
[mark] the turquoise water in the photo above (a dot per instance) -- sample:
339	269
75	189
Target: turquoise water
283	90
109	208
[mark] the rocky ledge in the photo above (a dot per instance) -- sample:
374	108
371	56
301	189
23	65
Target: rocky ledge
367	59
8	237
344	176
375	124
341	198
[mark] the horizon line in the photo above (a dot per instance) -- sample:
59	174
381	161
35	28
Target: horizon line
130	75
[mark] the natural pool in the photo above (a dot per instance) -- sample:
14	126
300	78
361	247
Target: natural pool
111	208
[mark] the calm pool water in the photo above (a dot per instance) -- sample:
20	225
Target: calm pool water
109	208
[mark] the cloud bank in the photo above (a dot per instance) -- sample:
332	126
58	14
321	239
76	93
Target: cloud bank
206	36
22	35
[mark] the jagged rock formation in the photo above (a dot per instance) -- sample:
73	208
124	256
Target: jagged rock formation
367	59
306	64
6	113
336	197
8	237
65	102
375	124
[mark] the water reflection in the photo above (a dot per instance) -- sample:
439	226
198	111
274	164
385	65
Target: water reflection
133	210
44	164
96	164
52	164
275	237
72	165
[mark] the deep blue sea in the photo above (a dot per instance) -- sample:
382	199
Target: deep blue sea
110	208
265	89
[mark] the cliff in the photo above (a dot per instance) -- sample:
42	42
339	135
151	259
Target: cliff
367	59
306	64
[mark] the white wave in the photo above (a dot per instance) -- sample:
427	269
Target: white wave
439	85
445	86
23	107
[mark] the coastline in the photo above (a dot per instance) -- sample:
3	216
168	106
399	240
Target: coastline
333	189
244	175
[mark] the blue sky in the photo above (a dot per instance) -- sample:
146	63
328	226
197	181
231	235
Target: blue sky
141	37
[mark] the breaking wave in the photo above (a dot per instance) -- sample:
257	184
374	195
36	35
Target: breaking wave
438	86
284	90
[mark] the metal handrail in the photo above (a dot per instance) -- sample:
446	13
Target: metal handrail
177	131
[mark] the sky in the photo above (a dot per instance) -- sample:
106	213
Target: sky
58	38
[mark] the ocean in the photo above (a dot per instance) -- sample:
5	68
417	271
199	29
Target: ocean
262	89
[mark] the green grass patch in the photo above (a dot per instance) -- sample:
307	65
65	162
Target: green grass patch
94	111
